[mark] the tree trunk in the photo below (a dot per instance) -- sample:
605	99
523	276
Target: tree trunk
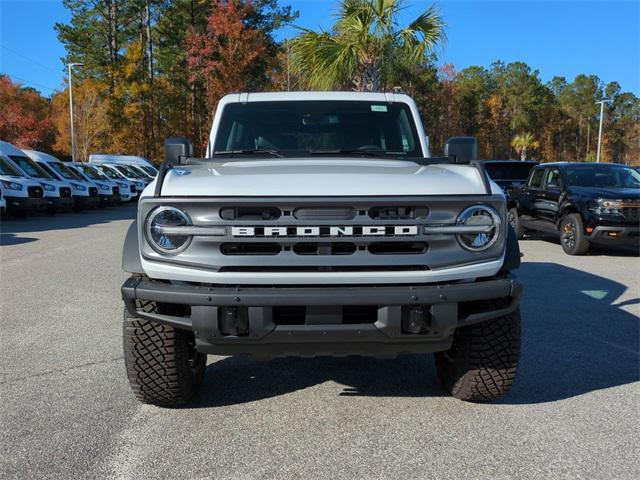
523	154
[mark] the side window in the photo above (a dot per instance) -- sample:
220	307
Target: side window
553	179
535	181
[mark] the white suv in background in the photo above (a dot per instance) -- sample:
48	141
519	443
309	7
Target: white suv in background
135	187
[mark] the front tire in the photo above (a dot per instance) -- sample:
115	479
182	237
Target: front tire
572	236
514	221
162	363
481	364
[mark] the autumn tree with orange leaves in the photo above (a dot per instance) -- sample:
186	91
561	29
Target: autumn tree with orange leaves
24	116
221	56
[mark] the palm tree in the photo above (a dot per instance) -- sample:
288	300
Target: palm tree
524	142
363	44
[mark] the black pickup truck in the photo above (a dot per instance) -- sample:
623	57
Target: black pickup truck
585	203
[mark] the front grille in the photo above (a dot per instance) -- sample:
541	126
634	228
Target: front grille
93	192
133	189
356	234
116	191
631	214
65	192
35	192
345	315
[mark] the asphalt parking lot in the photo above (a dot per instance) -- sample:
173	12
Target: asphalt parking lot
66	410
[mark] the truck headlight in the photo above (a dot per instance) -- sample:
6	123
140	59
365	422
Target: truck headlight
11	185
104	188
158	230
604	206
80	188
487	225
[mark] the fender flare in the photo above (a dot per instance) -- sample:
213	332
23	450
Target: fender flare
512	252
131	251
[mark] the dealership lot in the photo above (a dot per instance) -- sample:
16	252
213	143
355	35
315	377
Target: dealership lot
66	409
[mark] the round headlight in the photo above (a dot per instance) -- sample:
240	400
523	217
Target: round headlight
486	220
158	233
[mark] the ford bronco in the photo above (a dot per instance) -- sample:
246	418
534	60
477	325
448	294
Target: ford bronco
317	224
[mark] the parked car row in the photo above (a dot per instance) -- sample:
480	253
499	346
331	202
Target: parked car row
32	181
583	203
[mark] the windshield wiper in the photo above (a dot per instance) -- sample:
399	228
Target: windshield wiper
354	151
250	151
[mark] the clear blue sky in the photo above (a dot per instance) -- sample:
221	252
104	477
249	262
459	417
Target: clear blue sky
556	37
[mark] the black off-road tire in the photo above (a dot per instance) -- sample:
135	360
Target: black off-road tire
514	221
572	237
162	363
481	364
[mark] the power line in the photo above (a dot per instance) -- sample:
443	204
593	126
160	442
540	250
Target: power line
27	81
35	62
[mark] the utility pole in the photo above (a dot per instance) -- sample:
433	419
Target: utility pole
73	134
601	102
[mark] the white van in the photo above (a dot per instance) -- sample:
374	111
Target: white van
56	192
108	189
85	193
142	163
112	172
22	195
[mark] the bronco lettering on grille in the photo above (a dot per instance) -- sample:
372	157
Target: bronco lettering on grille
326	231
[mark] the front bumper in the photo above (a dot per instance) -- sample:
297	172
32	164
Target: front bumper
110	200
615	235
62	203
86	202
204	310
26	205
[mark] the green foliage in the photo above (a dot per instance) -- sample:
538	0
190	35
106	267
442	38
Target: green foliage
365	44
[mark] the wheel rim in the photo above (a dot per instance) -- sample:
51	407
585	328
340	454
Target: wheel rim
569	232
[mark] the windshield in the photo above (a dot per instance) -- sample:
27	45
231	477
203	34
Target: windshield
149	170
30	167
128	171
65	171
139	171
111	173
90	172
508	171
7	169
603	176
305	128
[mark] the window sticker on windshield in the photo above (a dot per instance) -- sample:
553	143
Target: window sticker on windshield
378	108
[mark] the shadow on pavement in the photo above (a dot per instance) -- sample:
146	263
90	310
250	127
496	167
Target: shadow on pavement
576	340
11	228
594	250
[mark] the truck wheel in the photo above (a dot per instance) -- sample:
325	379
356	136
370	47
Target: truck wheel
481	364
163	365
572	236
514	221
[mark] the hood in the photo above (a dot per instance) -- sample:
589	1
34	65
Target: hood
29	182
321	177
608	193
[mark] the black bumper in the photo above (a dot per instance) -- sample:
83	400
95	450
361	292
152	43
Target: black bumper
26	205
204	309
86	202
110	200
61	203
615	235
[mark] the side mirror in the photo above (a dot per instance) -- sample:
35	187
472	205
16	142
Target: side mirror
175	148
461	149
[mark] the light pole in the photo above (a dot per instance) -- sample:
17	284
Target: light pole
601	102
73	134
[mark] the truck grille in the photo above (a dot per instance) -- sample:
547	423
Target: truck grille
116	190
65	192
631	214
35	192
338	234
93	192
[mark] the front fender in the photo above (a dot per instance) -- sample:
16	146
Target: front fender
131	251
